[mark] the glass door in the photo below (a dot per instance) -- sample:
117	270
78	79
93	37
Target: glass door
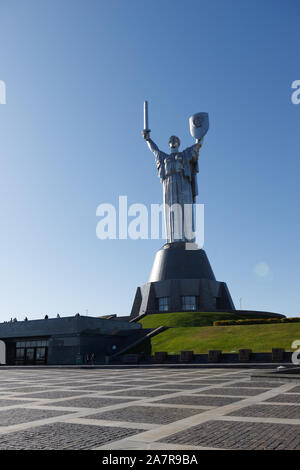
20	356
40	355
29	357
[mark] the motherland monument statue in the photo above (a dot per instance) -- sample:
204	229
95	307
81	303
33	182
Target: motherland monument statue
181	278
177	171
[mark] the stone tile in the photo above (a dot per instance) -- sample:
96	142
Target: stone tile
210	381
181	386
227	378
89	402
8	385
142	393
24	415
239	435
104	388
12	402
200	383
65	436
285	398
29	389
295	389
269	411
55	394
234	391
62	385
140	383
146	414
248	384
199	400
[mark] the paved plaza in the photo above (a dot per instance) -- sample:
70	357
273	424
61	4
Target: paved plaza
150	409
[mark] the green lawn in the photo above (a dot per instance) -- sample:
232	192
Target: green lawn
180	319
259	338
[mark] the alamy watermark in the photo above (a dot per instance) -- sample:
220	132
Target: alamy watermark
2	92
136	221
295	97
296	354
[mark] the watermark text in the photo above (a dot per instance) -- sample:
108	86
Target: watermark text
295	98
2	92
136	221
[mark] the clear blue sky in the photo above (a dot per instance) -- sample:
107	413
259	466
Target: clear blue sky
77	73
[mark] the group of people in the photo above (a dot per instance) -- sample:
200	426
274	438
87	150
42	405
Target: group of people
14	320
89	358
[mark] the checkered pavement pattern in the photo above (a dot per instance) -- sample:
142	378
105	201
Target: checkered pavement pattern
139	408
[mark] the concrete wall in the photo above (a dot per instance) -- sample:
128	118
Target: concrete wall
225	358
67	349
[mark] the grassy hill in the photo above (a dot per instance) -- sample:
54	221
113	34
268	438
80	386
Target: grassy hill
184	319
193	331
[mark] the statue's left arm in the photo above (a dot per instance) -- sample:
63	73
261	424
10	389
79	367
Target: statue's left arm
192	152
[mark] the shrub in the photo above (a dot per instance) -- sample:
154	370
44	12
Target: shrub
256	321
290	320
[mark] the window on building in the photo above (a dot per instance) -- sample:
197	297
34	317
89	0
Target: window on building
188	302
163	304
31	344
31	352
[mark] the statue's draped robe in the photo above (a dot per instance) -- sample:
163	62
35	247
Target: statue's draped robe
177	172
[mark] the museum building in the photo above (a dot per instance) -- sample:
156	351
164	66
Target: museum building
66	340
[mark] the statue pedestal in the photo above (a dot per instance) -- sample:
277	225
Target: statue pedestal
181	279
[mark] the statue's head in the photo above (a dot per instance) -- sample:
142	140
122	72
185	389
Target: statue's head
174	142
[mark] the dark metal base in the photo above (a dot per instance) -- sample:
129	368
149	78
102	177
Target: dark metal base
181	269
181	261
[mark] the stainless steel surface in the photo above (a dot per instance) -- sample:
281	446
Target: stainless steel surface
146	127
177	171
199	125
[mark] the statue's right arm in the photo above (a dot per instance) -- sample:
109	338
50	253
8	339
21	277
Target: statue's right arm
159	156
152	146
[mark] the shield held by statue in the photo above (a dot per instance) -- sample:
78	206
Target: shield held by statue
199	125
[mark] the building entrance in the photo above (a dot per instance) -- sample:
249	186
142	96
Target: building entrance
31	352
